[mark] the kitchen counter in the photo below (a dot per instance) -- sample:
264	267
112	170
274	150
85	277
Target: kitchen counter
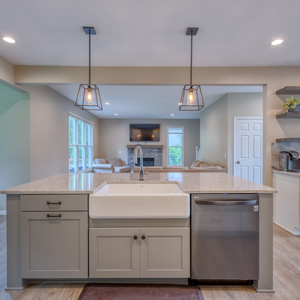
86	183
295	174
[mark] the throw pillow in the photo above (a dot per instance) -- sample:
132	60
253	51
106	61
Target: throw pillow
100	161
196	164
116	162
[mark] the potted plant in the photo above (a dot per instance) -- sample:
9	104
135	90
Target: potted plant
291	105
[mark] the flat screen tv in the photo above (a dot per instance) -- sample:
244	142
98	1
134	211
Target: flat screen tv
144	132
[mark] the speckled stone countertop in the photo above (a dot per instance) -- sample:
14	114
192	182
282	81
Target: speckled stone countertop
86	183
295	174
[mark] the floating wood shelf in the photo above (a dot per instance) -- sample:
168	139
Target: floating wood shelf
289	90
288	140
289	115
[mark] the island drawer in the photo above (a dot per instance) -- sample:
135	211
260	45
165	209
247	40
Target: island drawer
54	202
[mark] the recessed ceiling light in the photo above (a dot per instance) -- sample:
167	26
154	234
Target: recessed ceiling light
107	103
8	39
277	42
116	115
172	115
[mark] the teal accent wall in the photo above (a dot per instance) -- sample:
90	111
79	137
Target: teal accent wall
14	139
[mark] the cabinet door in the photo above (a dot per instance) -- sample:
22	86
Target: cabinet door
114	252
165	252
54	244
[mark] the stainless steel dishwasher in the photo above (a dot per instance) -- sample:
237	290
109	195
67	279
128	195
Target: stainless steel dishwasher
224	236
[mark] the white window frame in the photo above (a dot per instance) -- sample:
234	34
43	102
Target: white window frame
77	145
182	145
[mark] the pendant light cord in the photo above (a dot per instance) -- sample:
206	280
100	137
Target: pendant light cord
191	68
89	56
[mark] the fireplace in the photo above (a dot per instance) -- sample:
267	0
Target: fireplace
147	162
152	155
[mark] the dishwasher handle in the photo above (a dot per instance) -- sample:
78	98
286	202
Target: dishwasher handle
226	202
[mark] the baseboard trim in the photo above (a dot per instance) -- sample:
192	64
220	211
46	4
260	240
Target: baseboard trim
2	212
296	232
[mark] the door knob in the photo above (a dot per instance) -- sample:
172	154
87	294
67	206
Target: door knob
238	162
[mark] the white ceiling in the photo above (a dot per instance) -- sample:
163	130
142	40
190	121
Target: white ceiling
150	102
151	32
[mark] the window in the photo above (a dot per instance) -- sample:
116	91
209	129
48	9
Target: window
175	146
80	145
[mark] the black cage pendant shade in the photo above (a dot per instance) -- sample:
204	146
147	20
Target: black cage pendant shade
88	96
191	96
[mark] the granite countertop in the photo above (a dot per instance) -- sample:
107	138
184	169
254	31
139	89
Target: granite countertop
86	183
295	174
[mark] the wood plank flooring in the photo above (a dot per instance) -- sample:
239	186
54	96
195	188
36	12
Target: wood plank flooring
286	276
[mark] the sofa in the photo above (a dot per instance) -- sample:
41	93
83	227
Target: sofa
196	167
110	165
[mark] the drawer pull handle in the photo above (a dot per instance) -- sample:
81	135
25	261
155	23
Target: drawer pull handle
143	237
135	237
54	216
54	203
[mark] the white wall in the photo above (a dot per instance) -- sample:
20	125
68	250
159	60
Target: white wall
217	126
14	139
115	137
49	131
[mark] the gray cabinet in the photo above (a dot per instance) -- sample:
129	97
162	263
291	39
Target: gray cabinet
139	253
165	253
54	244
114	253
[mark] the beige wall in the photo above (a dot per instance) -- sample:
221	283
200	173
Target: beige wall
115	137
6	71
214	131
217	126
49	131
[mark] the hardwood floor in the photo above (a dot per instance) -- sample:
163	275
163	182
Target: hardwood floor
286	276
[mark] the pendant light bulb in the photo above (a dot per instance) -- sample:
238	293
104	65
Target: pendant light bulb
191	96
89	95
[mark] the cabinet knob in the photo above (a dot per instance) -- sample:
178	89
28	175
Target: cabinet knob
135	237
238	162
143	237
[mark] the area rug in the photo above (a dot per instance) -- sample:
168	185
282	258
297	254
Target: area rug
139	292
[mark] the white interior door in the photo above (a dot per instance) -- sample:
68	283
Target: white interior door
248	148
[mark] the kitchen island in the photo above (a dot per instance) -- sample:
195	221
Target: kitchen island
55	210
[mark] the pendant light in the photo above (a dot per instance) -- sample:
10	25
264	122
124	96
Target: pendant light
88	96
191	97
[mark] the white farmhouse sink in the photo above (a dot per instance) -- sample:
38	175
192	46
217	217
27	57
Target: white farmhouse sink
139	200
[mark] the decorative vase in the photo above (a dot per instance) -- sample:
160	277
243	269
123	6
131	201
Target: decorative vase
296	109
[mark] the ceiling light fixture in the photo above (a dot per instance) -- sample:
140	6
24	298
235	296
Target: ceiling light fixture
88	96
116	115
8	39
191	97
277	42
107	103
172	115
